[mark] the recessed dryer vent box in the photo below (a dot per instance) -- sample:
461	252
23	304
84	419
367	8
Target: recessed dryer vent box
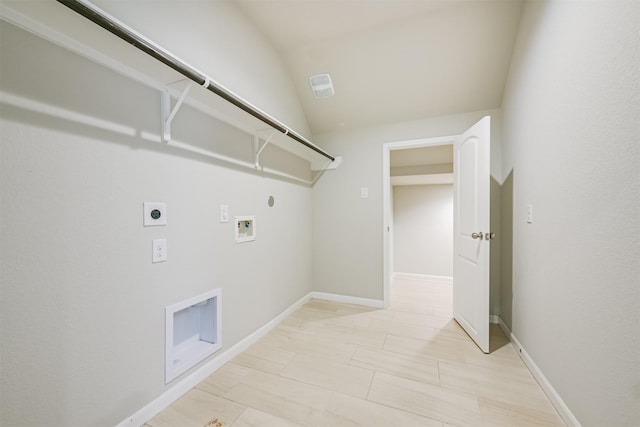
245	228
193	332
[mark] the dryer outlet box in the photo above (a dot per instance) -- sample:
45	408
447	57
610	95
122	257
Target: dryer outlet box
155	213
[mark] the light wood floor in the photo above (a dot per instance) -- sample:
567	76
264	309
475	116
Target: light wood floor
331	364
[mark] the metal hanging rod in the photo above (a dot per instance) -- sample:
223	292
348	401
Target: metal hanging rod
111	24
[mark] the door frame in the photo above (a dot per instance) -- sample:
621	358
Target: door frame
387	207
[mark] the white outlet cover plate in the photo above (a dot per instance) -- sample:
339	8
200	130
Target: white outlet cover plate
148	220
224	213
159	250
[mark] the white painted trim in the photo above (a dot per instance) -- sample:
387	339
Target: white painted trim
420	143
423	277
201	373
367	302
495	319
563	410
426	179
387	227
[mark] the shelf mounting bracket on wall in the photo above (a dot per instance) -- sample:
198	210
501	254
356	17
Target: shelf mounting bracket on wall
330	165
258	149
129	35
167	113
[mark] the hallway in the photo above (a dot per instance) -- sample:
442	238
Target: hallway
331	364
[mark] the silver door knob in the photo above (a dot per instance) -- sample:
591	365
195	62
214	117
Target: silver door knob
489	236
476	236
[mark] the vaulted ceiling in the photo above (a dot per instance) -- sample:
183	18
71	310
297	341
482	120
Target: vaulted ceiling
391	60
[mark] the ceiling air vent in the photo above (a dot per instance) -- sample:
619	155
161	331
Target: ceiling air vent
321	85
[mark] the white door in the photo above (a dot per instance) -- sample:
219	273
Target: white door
470	229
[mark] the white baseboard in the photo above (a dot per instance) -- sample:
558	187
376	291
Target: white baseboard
201	373
423	277
505	329
375	303
564	411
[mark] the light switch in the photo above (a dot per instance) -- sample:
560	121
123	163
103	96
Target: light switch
159	253
224	213
364	193
529	214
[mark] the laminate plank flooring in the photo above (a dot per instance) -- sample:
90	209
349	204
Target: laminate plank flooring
342	365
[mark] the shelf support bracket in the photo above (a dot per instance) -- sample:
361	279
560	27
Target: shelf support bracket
259	149
167	113
330	165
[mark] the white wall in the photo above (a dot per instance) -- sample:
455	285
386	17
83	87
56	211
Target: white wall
347	230
82	307
423	229
572	141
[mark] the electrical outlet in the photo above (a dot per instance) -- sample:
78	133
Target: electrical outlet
154	214
159	253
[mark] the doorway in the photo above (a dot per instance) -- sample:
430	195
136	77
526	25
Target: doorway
431	171
471	185
422	211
